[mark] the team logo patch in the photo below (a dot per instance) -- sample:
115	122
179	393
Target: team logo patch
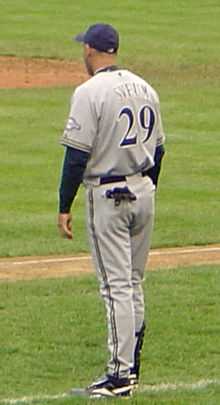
72	124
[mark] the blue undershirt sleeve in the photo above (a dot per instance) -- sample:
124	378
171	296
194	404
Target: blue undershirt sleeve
154	171
74	165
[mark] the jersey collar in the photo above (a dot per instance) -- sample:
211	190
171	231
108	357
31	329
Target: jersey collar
110	68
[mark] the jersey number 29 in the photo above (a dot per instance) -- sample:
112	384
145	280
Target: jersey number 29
146	120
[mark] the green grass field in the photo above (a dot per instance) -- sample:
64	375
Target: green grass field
53	336
53	333
170	31
172	44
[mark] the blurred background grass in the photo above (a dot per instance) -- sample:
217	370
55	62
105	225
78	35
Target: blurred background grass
187	29
175	46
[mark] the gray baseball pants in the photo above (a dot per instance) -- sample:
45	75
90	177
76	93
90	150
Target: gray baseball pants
120	241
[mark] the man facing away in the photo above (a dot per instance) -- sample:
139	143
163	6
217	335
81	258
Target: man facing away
114	144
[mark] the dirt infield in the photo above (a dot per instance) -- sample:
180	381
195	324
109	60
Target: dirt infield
33	73
27	268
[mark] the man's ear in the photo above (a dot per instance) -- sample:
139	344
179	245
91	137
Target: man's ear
89	50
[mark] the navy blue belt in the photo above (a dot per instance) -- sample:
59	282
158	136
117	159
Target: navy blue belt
116	179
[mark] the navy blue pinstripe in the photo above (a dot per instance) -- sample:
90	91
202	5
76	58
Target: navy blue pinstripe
106	283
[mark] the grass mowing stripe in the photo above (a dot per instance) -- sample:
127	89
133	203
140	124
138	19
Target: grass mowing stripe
199	385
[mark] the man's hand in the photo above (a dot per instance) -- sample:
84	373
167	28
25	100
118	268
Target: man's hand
65	225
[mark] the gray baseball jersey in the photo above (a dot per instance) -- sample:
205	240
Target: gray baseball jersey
118	123
115	116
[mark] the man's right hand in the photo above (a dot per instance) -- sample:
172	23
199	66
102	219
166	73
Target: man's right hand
65	225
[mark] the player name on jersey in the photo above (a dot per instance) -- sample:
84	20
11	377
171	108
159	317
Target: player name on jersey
131	89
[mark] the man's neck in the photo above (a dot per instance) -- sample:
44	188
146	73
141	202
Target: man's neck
109	68
103	61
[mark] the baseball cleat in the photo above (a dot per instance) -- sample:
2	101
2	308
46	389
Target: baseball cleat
134	380
110	386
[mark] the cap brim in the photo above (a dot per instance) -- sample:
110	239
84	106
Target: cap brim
79	37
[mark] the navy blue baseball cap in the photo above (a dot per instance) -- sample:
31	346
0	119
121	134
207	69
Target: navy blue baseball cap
102	37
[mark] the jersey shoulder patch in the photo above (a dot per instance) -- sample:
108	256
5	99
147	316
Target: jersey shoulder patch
72	124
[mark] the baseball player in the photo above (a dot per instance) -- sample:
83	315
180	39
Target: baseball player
114	144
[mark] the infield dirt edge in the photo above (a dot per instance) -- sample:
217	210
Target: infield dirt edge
28	268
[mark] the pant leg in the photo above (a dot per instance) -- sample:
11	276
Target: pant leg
141	234
109	233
